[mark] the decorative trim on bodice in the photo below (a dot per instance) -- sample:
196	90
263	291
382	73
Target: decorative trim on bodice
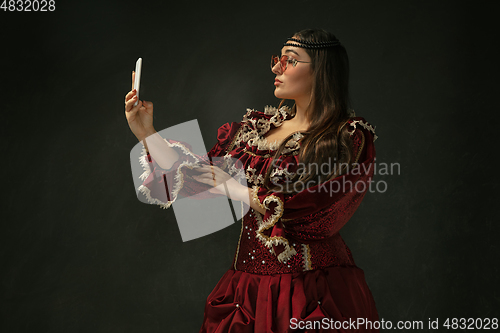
363	124
254	129
306	255
270	241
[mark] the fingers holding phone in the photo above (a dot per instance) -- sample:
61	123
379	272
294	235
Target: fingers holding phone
139	113
132	103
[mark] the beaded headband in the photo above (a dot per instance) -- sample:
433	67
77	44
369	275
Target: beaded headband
311	45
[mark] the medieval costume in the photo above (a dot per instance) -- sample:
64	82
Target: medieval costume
291	266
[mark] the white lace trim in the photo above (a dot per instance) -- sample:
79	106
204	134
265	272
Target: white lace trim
147	193
365	125
257	128
253	178
252	138
231	169
178	178
268	241
277	173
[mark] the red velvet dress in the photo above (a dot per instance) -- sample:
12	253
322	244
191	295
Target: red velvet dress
291	272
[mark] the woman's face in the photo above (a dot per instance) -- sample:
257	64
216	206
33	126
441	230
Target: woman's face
295	82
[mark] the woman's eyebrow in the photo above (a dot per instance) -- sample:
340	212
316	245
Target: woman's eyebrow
290	50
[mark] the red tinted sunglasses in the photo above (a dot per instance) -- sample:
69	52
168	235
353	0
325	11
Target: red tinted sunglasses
284	60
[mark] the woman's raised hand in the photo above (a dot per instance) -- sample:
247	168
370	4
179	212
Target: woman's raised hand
139	117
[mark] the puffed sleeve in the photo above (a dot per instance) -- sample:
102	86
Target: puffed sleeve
317	212
162	186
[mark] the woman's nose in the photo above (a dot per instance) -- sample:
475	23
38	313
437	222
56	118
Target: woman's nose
277	68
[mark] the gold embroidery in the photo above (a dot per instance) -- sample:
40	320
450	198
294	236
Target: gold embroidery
306	255
269	223
253	178
239	240
293	153
255	129
231	146
253	154
365	125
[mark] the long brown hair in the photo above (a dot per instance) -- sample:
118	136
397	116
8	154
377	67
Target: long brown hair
326	139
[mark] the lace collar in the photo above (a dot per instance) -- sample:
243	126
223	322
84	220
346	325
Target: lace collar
257	124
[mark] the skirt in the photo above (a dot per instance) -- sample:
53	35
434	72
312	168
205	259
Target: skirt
333	299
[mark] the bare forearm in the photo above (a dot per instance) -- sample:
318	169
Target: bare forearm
249	195
164	155
224	184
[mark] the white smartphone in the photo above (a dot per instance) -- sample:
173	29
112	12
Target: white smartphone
137	81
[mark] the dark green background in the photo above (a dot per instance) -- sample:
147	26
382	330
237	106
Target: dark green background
80	253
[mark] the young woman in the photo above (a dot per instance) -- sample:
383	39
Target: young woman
307	169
